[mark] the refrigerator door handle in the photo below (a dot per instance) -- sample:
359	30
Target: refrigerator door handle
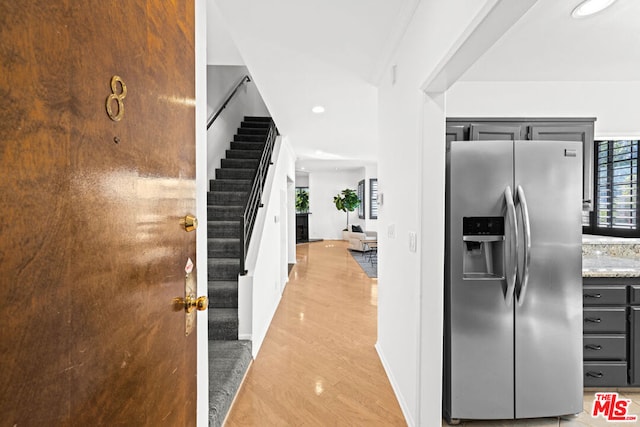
512	246
524	208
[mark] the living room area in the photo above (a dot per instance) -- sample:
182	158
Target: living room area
325	208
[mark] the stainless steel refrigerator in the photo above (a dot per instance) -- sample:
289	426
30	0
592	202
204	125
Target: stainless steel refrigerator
513	280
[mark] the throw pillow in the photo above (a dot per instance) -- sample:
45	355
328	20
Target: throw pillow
356	229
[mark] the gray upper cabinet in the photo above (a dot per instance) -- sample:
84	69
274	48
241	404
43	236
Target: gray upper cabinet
550	129
455	133
494	132
582	132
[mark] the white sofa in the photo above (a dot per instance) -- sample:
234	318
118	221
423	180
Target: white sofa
355	238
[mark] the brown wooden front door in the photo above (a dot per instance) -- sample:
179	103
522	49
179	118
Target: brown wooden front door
91	250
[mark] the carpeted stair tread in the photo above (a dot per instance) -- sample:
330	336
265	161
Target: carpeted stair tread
230	184
243	154
228	364
240	163
257	119
223	293
247	130
244	145
255	125
222	212
235	173
227	198
249	138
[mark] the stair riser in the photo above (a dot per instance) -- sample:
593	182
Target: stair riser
243	154
214	229
235	173
227	330
253	131
222	301
226	297
262	119
239	145
250	138
240	163
223	250
224	213
233	185
255	125
227	198
223	271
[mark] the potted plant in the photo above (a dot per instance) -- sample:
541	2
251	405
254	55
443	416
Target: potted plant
347	201
302	201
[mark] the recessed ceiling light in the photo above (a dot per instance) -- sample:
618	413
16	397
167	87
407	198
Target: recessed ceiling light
318	109
589	7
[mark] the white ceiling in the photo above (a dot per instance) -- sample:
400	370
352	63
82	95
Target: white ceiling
549	45
333	53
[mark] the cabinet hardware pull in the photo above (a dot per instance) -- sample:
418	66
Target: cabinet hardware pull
593	319
595	374
593	295
593	347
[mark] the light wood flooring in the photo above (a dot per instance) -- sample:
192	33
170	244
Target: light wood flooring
318	365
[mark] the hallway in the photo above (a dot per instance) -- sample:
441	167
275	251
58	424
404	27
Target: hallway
318	365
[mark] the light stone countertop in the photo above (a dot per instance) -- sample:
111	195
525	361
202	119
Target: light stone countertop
604	256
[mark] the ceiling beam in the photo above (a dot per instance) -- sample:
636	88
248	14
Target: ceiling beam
493	21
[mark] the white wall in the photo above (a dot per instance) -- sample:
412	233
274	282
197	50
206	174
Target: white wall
325	221
221	49
411	152
302	179
614	104
246	102
261	289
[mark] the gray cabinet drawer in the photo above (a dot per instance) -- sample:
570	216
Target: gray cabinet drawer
602	320
605	374
635	294
605	347
604	295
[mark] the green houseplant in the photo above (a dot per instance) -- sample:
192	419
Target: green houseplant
302	201
347	201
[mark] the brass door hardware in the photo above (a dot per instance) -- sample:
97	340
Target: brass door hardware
190	302
189	223
117	97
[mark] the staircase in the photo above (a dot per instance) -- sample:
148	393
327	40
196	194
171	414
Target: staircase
229	357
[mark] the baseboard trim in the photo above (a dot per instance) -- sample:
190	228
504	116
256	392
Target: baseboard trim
396	390
247	337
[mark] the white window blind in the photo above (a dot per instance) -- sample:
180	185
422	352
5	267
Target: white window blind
617	185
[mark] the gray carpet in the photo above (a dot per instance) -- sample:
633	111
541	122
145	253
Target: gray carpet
228	362
362	258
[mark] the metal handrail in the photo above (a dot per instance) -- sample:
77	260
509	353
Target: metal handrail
244	79
254	201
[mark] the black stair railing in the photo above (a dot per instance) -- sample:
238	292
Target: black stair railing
254	201
215	115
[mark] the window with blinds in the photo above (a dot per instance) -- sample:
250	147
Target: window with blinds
361	210
616	208
373	198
